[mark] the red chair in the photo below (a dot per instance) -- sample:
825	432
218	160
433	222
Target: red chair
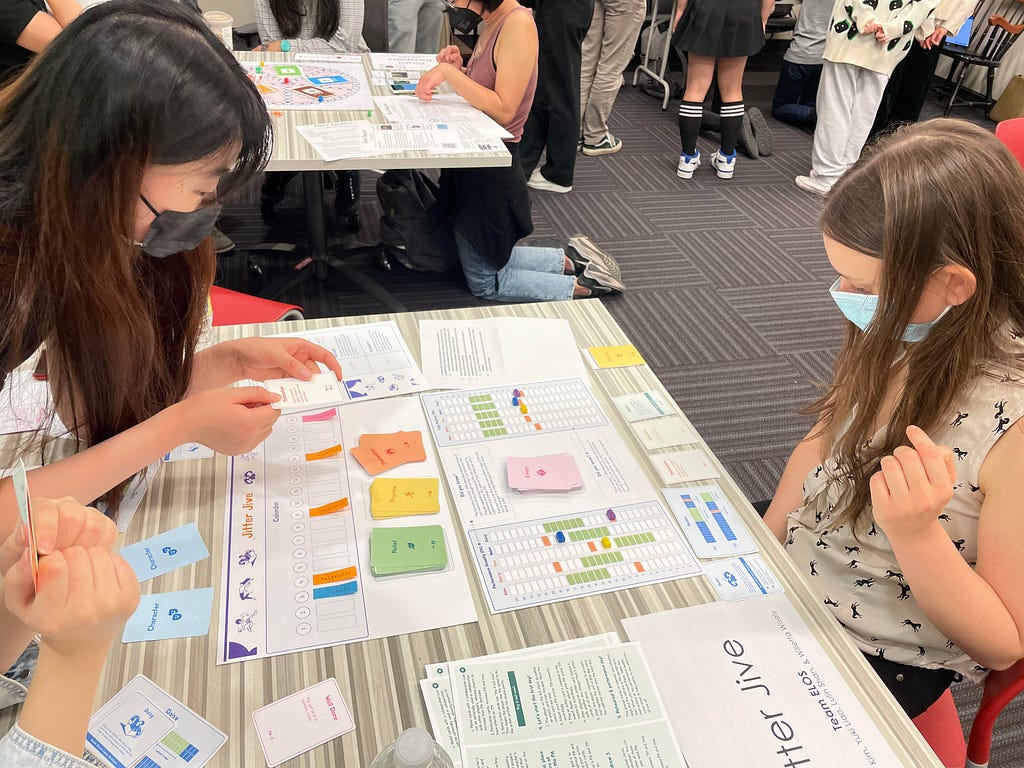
1000	689
940	724
1011	133
234	308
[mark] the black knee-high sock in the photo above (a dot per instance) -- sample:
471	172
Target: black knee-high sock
732	121
690	115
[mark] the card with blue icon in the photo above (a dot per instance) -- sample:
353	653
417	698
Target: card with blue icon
165	552
170	614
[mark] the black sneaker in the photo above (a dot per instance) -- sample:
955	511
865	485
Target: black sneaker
762	133
582	251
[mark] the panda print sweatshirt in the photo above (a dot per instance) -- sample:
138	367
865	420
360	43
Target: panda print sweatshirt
846	44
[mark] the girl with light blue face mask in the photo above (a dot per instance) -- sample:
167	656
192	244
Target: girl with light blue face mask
903	502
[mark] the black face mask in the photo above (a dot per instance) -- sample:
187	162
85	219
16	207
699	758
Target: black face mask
463	20
176	231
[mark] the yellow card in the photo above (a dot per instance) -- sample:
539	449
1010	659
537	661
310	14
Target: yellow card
400	496
616	357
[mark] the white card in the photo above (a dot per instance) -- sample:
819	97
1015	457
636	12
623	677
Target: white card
127	727
684	466
306	719
189	741
298	395
664	433
741	578
643	405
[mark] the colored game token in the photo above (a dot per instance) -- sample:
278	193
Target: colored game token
515	401
286	81
286	46
259	70
606	543
516	393
611	515
523	408
560	537
320	99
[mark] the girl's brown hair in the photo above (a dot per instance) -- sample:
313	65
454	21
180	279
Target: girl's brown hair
130	84
935	193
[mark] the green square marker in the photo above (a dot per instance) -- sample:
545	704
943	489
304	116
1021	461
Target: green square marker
287	70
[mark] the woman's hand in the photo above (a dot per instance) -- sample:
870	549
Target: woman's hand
935	38
450	55
430	80
83	599
913	486
58	525
230	420
263	358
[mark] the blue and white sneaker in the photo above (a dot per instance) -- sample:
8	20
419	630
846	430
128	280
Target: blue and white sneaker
687	165
724	165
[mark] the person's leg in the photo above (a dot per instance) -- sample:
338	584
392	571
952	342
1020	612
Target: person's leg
622	21
730	83
402	15
864	100
699	72
591	56
535	274
563	36
788	104
481	277
883	116
836	98
428	26
918	70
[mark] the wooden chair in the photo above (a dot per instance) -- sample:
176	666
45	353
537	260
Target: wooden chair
986	47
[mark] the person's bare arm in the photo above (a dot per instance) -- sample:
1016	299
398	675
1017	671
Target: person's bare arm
789	495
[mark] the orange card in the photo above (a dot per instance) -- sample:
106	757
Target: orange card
380	452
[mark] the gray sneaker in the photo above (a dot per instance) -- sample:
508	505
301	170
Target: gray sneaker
582	252
609	145
762	133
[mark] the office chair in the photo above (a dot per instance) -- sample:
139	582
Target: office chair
988	43
781	20
1011	133
234	308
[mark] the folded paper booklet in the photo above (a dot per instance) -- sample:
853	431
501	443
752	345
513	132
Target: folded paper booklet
407	550
400	496
556	472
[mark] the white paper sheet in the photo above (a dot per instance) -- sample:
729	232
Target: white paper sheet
297	556
754	668
447	108
498	350
416	62
590	709
437	686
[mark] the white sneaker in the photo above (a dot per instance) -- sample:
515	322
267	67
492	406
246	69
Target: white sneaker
537	181
687	165
724	165
815	184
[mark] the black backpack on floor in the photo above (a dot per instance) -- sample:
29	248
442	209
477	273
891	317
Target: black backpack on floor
411	230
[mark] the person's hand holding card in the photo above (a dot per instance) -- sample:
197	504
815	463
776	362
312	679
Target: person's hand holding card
83	597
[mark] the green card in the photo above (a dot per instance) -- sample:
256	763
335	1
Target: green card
407	550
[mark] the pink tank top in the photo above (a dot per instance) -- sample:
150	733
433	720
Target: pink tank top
480	69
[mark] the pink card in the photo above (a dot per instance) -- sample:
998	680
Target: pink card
557	472
305	719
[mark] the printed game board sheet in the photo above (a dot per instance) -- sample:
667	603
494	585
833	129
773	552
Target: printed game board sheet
757	670
444	107
532	548
297	554
358	138
437	686
320	84
587	708
375	360
498	350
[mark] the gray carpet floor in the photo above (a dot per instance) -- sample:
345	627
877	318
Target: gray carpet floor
728	287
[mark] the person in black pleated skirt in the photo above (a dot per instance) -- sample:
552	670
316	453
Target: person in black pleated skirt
725	32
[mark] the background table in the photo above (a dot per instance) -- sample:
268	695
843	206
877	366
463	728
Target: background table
380	678
293	153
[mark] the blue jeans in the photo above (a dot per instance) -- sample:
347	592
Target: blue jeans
531	274
796	94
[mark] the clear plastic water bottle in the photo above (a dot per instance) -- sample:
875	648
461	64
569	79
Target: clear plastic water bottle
414	748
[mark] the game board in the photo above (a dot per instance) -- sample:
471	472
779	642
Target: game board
305	85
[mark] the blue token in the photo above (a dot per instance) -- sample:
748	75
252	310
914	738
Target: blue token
560	537
515	401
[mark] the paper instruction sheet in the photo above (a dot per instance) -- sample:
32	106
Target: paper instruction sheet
594	708
375	360
498	350
755	668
